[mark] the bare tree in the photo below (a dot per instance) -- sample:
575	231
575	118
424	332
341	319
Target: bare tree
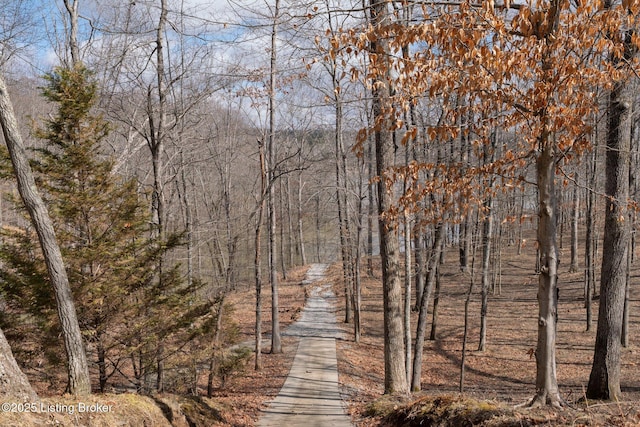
421	329
604	380
276	341
72	7
487	236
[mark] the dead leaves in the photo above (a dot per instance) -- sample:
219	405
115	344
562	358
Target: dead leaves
538	71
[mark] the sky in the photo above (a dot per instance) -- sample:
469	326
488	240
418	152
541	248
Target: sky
43	27
221	18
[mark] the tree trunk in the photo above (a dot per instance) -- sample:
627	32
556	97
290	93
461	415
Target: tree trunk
276	340
575	206
183	195
589	260
604	380
496	284
436	304
624	339
407	294
521	221
467	300
343	215
301	249
466	234
408	265
487	240
79	382
216	347
317	226
371	207
102	364
487	234
547	392
156	147
421	259
395	379
395	376
290	235
257	260
283	251
74	49
546	378
13	382
424	305
633	187
357	292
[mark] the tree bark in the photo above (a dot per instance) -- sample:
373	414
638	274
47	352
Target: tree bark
436	304
407	294
604	380
78	375
300	230
276	340
257	260
102	364
290	236
521	222
624	338
467	300
547	392
575	206
421	259
371	207
357	291
395	379
487	234
74	49
156	147
589	252
487	240
13	382
546	378
343	211
424	305
283	251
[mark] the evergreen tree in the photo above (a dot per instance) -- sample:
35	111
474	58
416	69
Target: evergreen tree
102	226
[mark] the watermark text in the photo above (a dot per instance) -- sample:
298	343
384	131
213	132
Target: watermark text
60	408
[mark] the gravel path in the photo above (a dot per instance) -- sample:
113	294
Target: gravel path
310	395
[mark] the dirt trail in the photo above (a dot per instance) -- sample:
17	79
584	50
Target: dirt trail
310	395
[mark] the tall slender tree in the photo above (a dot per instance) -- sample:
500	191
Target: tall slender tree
276	340
604	380
394	356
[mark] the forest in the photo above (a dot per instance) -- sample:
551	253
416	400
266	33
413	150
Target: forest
167	161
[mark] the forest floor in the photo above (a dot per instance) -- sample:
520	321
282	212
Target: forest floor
504	374
496	380
238	402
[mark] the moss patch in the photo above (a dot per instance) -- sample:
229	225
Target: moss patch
200	411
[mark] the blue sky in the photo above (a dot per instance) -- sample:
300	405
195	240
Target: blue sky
38	37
